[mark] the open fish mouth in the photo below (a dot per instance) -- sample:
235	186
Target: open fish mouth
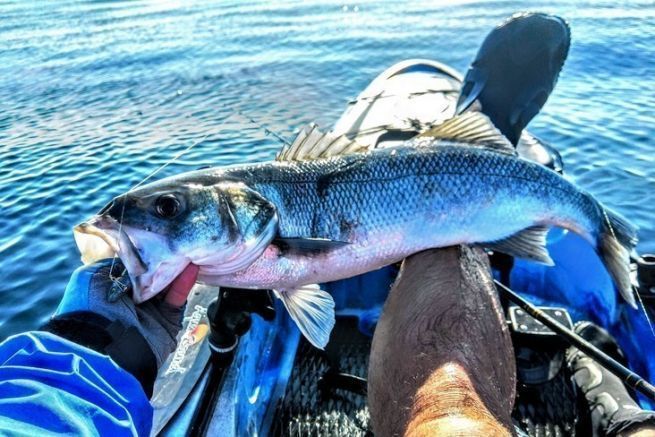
102	237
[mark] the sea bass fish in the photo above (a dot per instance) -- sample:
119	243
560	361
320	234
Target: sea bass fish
325	211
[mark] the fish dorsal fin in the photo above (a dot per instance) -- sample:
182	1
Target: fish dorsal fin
313	311
473	128
311	143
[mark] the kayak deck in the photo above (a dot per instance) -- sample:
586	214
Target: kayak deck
310	408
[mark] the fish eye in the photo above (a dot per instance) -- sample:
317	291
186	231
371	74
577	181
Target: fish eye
167	206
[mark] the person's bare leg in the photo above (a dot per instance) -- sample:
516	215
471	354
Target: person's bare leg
441	360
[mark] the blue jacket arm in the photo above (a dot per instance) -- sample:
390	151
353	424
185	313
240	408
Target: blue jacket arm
51	385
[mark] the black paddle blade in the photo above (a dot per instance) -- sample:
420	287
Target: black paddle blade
516	69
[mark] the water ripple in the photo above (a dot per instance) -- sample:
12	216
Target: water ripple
95	95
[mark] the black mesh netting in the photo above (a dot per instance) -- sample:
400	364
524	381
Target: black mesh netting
544	410
309	411
548	409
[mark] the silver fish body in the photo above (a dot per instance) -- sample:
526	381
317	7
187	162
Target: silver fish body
314	217
389	204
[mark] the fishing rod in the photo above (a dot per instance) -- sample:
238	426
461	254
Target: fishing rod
630	378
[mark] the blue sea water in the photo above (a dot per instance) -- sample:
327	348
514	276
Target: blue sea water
96	95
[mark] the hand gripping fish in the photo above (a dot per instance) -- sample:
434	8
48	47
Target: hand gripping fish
326	210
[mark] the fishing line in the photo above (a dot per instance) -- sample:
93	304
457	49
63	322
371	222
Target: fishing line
262	126
166	164
115	280
645	311
266	130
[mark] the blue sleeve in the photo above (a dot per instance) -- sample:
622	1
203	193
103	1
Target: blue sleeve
51	385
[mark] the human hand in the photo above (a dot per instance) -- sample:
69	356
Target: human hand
158	320
137	337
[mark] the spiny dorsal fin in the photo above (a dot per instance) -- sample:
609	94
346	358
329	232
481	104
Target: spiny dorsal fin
473	128
311	143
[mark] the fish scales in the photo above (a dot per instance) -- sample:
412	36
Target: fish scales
288	225
392	203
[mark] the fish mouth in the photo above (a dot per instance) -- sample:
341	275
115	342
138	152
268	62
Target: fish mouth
103	237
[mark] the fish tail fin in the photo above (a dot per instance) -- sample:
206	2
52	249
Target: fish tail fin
617	238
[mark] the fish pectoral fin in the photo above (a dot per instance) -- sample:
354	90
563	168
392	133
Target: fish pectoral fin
313	311
308	245
311	143
529	243
473	128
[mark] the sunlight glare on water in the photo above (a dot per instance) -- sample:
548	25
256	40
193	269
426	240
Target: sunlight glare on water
96	95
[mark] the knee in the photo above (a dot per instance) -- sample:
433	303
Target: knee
447	404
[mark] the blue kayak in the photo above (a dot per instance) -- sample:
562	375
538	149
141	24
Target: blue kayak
275	383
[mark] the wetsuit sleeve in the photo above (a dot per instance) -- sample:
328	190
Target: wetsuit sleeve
51	385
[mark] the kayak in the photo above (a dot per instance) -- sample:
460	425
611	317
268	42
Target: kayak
267	380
